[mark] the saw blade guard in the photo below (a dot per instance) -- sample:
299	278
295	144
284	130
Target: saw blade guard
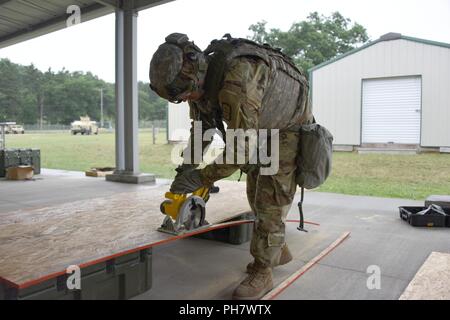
192	214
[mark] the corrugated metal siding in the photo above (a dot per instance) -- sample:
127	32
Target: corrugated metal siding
179	122
391	110
337	95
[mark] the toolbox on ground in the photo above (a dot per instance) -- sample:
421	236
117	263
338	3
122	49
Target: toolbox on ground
115	279
431	216
20	157
440	200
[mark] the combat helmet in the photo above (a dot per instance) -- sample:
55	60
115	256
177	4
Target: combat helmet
176	67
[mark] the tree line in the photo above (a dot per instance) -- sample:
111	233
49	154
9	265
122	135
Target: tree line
317	39
30	96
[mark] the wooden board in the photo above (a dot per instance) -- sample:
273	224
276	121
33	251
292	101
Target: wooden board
275	292
99	172
39	244
432	281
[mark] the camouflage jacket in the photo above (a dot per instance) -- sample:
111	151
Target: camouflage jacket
255	92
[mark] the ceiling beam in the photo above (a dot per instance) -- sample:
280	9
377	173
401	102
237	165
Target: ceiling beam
145	4
90	12
97	9
4	1
109	3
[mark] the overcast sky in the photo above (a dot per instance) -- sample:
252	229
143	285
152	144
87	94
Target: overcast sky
90	46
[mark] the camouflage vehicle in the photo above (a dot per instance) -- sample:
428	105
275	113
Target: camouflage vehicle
84	126
14	129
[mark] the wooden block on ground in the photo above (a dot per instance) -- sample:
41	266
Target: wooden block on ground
99	172
41	243
19	173
432	281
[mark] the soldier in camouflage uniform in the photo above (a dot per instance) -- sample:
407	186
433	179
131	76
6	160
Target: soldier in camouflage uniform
248	86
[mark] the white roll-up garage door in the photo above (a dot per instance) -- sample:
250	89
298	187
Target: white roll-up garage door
391	110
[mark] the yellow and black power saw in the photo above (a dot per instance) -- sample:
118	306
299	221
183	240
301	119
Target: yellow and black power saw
184	213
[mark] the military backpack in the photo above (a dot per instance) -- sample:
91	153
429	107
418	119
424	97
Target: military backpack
288	89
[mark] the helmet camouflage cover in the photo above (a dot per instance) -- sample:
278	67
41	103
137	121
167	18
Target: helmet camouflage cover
176	67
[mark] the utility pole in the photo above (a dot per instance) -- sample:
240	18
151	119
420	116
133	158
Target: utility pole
101	108
41	111
153	132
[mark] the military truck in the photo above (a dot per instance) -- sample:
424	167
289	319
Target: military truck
84	126
14	129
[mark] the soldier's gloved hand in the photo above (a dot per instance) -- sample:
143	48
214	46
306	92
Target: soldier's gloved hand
186	182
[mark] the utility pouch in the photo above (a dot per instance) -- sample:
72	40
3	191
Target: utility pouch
314	155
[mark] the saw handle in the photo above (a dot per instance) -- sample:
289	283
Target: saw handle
203	193
172	204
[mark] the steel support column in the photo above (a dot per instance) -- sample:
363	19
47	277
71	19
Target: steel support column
131	118
120	154
127	109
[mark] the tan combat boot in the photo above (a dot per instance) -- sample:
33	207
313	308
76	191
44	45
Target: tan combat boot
285	257
255	286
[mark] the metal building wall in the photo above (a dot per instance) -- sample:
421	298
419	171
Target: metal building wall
179	122
336	88
179	125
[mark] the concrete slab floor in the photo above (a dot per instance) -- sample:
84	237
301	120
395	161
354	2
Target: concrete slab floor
202	269
199	269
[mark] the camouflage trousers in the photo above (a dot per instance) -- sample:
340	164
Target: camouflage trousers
270	197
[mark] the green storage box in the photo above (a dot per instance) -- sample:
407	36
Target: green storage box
234	235
116	279
20	157
8	158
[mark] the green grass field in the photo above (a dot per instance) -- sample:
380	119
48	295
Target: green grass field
402	176
80	153
395	176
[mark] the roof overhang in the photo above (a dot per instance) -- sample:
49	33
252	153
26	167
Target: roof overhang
387	37
21	20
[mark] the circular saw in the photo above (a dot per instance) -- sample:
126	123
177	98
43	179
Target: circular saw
184	213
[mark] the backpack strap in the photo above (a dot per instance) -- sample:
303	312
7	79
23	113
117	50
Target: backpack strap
300	212
216	55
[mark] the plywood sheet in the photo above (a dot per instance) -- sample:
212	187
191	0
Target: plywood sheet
432	281
38	243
